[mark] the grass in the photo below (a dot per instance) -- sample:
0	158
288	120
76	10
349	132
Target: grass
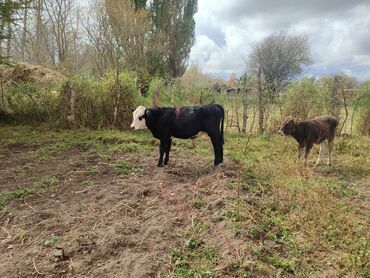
123	167
297	221
52	241
45	183
308	212
194	259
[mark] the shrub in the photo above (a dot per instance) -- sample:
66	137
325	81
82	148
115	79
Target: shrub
28	102
99	103
303	99
363	103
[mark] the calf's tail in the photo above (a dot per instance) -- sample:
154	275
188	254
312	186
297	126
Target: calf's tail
222	123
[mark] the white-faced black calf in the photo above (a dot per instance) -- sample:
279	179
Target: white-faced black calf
309	132
185	123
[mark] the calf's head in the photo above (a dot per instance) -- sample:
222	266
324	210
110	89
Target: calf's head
288	127
137	121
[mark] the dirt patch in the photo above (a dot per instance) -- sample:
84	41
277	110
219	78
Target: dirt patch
99	222
27	73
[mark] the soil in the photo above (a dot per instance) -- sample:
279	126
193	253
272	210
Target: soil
96	222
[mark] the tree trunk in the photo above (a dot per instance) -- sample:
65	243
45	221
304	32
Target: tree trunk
72	116
36	53
9	36
335	101
245	115
118	94
260	104
346	110
24	32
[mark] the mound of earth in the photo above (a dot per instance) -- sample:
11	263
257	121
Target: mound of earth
27	73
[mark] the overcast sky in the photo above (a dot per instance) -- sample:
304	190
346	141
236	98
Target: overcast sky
338	32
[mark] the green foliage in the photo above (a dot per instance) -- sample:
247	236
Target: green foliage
194	260
52	241
362	102
303	99
23	192
173	19
123	167
97	100
8	19
29	103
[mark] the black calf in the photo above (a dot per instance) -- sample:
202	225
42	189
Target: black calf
184	123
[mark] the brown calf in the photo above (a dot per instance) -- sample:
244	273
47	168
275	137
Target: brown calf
309	132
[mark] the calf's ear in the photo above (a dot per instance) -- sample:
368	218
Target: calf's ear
132	109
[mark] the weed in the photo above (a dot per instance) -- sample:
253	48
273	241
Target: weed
54	240
123	167
21	193
194	260
192	243
199	226
86	183
83	206
197	204
286	264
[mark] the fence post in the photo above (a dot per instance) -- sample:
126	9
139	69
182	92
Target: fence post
72	99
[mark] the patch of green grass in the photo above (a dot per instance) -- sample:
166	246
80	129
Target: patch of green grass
194	260
287	265
123	167
199	226
83	206
52	241
197	203
301	210
23	171
86	183
52	149
232	185
21	193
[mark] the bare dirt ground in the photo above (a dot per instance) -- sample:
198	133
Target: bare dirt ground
96	221
82	203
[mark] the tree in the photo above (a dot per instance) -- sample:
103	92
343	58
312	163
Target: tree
280	57
247	83
8	10
106	54
173	25
130	26
194	78
62	27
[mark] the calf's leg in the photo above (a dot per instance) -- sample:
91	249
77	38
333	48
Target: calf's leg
162	149
320	153
221	150
330	147
307	153
217	144
300	151
167	152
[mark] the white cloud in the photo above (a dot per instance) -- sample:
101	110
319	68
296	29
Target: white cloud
338	31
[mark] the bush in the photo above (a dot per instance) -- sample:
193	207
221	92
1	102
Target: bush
174	94
99	104
303	100
28	103
362	102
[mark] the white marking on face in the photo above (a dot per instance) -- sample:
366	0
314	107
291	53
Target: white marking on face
136	123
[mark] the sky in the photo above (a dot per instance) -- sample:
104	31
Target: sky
338	32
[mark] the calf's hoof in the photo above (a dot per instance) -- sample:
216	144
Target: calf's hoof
160	165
